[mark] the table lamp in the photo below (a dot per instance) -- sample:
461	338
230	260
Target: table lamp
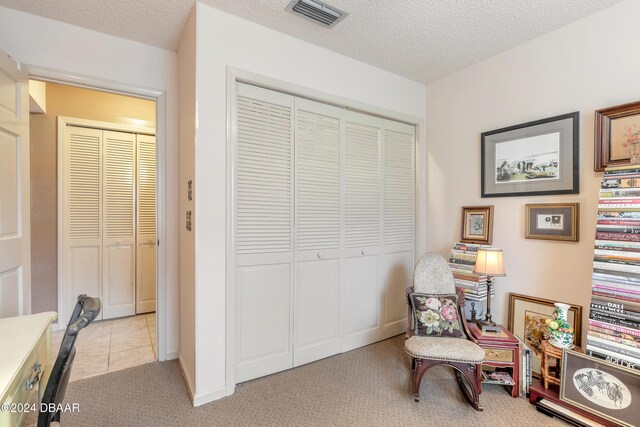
489	262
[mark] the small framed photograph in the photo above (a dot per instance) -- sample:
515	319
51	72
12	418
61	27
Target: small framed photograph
608	390
617	129
532	159
552	221
477	224
526	320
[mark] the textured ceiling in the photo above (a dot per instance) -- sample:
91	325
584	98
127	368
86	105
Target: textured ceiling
420	39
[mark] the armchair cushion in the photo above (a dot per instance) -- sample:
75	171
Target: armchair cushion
435	315
439	348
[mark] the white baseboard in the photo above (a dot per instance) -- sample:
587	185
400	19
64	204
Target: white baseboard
209	396
172	355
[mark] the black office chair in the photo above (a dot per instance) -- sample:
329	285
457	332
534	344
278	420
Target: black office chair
59	379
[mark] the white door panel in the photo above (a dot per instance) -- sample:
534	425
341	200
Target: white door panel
317	308
264	321
362	297
146	278
85	274
10	293
81	202
15	268
262	230
146	224
119	281
119	224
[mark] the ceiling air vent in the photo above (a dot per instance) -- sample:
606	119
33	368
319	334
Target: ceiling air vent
317	12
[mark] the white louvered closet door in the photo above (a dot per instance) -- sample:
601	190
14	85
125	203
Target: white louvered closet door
146	224
263	238
362	287
83	211
318	231
398	226
118	270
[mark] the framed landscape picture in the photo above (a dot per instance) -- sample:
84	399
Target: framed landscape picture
552	221
477	224
535	158
608	390
616	129
526	320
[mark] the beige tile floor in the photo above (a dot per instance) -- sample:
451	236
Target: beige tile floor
111	345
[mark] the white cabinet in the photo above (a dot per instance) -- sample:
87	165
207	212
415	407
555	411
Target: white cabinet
323	233
107	224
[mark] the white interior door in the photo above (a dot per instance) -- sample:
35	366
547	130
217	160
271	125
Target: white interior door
318	231
146	225
82	213
263	238
362	285
398	217
118	270
15	269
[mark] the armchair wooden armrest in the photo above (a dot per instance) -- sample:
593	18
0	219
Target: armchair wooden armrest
462	300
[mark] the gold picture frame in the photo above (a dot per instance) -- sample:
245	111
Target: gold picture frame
526	320
552	221
477	224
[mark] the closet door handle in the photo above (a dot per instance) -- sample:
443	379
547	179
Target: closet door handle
363	251
320	255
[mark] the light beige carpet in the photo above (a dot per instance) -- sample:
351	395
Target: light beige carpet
369	386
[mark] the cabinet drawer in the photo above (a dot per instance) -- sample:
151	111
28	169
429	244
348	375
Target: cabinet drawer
498	355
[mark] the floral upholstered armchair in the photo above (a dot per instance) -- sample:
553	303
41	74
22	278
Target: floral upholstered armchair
437	331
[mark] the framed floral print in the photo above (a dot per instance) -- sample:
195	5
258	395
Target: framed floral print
617	136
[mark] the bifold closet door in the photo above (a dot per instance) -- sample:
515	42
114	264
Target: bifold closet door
398	225
362	287
318	129
263	238
83	215
118	271
146	224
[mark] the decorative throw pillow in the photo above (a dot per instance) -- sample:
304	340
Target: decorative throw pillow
436	315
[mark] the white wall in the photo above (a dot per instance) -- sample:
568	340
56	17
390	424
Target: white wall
591	64
73	50
226	41
187	88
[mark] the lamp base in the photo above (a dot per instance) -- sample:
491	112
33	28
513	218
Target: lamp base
488	326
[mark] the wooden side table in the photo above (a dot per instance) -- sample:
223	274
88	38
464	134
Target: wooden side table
501	350
550	363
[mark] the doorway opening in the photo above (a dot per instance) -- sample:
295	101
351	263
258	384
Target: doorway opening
111	265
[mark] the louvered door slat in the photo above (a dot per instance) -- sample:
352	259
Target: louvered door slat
83	182
362	173
398	185
317	181
146	186
263	175
119	184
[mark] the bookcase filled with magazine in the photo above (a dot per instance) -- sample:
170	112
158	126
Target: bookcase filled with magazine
614	315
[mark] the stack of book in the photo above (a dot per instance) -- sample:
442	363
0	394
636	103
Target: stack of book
462	260
614	315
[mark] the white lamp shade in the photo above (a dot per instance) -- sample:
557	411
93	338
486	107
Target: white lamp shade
489	262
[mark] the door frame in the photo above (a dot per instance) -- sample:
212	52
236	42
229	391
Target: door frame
237	75
160	98
63	244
